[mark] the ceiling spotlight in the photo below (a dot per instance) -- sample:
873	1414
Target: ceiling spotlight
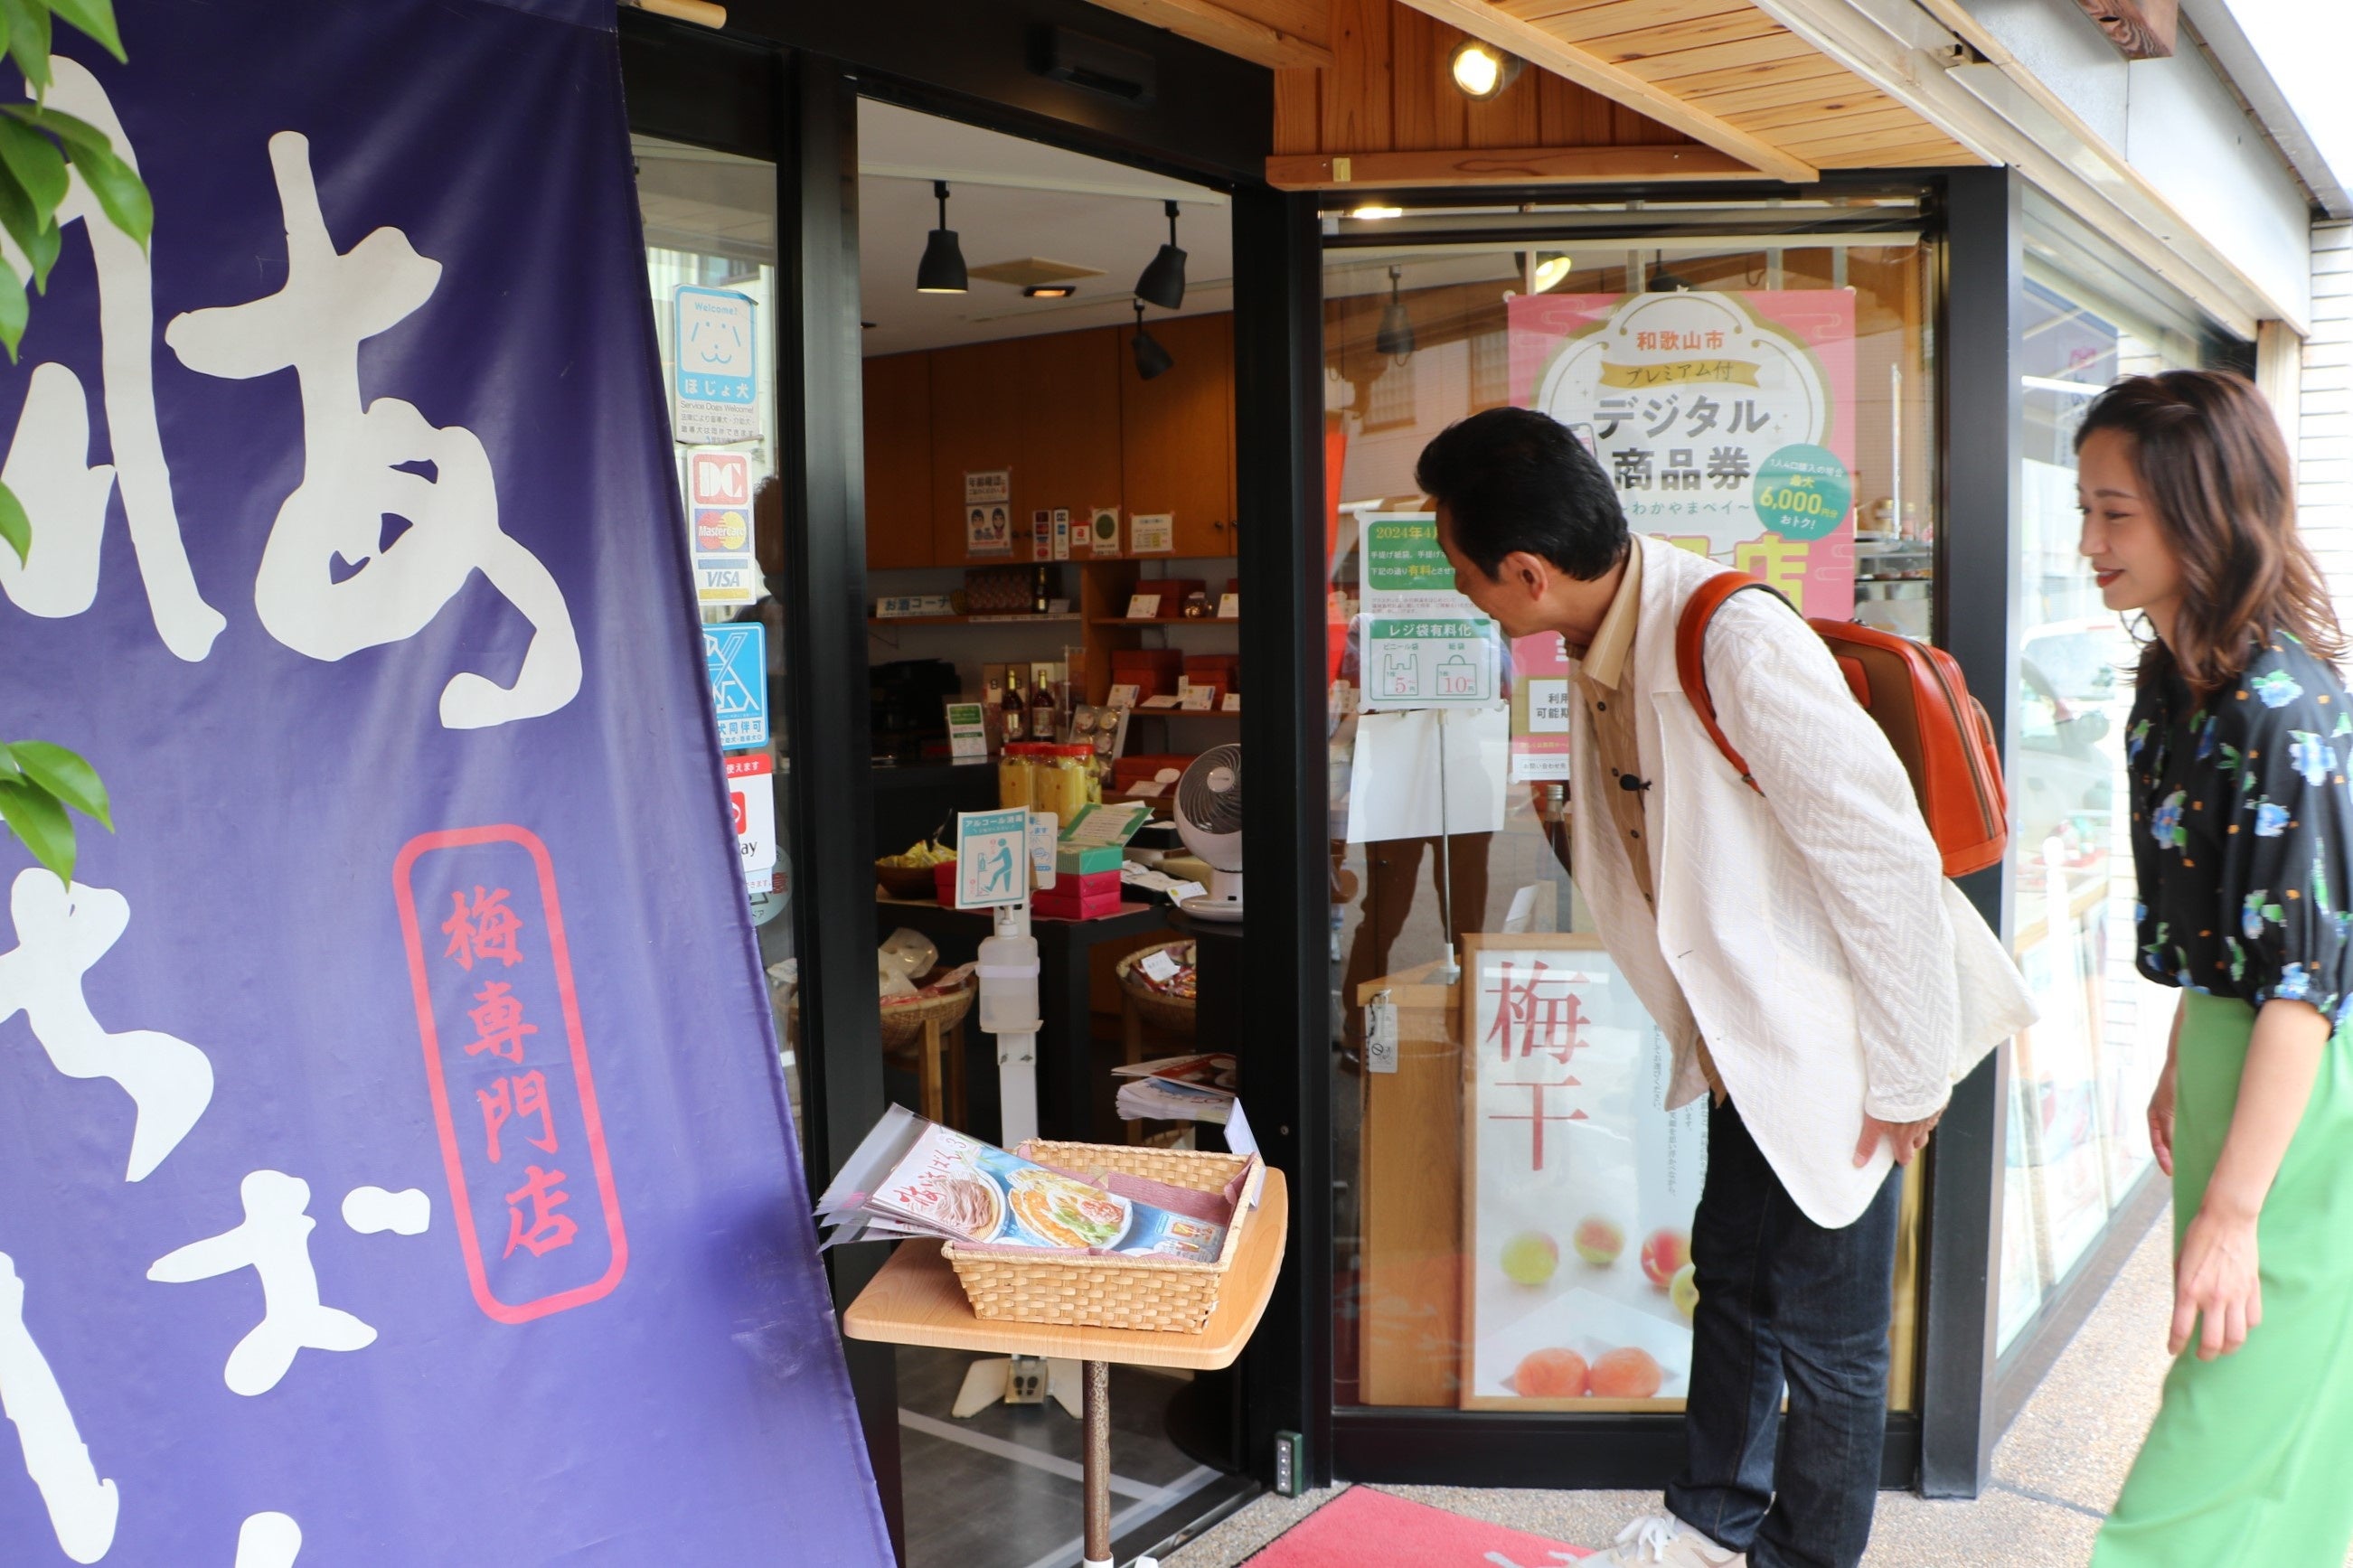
1395	338
1151	359
1050	291
1376	212
1480	71
1550	270
1665	282
942	272
1163	283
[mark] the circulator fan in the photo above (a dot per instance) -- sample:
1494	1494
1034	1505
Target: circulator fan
1208	814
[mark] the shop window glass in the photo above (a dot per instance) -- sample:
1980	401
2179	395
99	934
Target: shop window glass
711	225
2081	1078
1512	1232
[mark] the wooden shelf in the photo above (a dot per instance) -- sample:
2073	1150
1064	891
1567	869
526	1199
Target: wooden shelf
1182	714
1166	621
1016	620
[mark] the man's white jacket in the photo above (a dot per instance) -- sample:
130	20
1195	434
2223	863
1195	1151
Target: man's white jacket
1809	934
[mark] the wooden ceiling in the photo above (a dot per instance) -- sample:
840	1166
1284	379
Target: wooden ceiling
1618	91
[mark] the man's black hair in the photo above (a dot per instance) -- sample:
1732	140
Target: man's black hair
1514	479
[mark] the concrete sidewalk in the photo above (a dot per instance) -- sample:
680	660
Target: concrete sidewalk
2057	1472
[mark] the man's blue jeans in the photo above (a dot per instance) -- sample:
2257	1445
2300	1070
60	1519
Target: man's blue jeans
1782	1299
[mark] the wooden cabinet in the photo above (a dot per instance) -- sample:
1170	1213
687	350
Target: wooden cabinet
1066	389
976	426
898	413
1177	433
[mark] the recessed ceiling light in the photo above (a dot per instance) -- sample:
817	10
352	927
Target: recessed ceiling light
1050	291
1376	212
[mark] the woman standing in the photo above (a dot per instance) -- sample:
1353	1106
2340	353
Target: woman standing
2243	836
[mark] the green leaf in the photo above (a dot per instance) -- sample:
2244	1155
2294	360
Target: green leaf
65	776
8	768
120	192
28	39
78	134
15	310
39	245
16	527
41	823
95	17
38	164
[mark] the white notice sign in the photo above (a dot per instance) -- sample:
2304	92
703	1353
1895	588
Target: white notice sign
715	397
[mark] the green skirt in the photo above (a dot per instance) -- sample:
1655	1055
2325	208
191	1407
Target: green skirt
2250	1459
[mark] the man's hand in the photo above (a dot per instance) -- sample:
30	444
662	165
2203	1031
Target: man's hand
1906	1138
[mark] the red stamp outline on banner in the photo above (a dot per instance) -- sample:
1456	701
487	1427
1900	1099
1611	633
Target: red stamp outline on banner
453	1164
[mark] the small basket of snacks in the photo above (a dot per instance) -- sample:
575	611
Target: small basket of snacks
914	991
1087	1234
1162	992
913	872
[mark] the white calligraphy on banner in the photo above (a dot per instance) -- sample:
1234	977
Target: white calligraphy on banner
359	456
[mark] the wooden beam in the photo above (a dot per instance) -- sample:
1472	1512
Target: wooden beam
1266	34
1504	166
1538	47
2140	29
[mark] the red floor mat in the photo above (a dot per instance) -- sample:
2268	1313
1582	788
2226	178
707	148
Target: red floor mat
1362	1528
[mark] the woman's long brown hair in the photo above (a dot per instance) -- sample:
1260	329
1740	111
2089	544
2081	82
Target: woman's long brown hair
2214	467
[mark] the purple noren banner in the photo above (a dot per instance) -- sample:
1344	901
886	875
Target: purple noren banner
395	1167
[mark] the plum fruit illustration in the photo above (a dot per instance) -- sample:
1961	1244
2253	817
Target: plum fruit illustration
1684	1291
1530	1257
1554	1373
1598	1242
1626	1372
1666	1251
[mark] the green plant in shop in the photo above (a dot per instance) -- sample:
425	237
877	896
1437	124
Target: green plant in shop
41	151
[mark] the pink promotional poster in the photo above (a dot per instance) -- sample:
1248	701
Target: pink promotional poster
1725	420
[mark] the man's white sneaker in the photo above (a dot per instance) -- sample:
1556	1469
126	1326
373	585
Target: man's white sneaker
1662	1540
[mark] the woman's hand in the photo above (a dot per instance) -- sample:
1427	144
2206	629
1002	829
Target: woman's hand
2216	1278
2160	1117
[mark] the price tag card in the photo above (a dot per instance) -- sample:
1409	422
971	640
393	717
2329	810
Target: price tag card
1230	606
1161	702
1198	699
1234	703
1144	607
1123	696
968	733
1159	965
1381	1036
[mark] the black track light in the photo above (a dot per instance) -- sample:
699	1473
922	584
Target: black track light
1163	283
942	272
1396	337
1151	359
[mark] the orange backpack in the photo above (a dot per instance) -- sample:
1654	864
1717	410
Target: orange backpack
1915	694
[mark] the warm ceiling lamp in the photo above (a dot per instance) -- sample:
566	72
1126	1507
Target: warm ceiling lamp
1375	211
942	272
1549	271
1480	71
1163	283
1151	359
1050	291
1395	338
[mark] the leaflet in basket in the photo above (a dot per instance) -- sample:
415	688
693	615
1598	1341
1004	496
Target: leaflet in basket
963	1187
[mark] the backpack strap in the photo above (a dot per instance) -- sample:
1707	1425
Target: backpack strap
1691	646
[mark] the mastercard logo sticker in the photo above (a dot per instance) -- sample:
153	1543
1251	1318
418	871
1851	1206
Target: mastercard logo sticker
721	528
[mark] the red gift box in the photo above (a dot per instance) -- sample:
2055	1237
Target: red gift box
1085	898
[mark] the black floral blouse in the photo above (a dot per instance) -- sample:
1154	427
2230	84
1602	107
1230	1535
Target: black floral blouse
2243	833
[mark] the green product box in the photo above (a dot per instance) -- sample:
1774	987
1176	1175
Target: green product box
1071	862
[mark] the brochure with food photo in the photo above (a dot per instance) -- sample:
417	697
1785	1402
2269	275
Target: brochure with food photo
973	1191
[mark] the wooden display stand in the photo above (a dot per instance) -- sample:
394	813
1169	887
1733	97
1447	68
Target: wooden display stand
915	1300
1411	1312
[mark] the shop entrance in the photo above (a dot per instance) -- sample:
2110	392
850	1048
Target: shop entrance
1050	527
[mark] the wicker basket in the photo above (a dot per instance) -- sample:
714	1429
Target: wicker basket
1110	1292
904	1021
1174	1014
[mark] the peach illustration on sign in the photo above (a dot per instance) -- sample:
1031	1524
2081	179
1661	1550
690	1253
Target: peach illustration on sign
1598	1242
1555	1372
1662	1254
1530	1257
1628	1373
1684	1291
